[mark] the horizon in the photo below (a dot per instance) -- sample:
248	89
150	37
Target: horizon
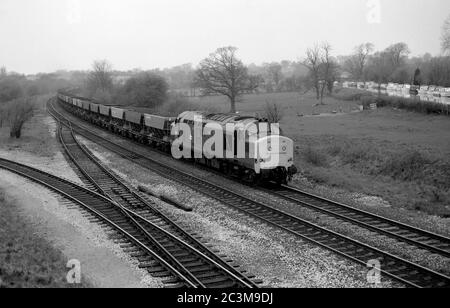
69	35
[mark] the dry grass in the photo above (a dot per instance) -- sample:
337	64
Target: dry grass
315	157
288	102
405	177
26	260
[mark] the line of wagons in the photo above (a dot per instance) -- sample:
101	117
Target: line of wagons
144	128
156	131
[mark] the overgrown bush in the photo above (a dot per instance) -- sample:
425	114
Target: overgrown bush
356	154
409	166
315	157
273	112
17	112
409	104
10	88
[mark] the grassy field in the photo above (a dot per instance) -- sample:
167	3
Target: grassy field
26	260
292	103
401	156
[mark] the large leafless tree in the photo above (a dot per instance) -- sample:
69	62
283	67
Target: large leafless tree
381	68
446	36
223	73
398	52
322	69
313	62
275	74
100	78
357	62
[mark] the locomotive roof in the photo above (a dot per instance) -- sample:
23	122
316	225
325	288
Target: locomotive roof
217	117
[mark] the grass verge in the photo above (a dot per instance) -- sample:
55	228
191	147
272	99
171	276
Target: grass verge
27	260
411	179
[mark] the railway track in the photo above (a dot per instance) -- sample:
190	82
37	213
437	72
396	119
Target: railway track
199	262
432	242
414	236
392	266
159	252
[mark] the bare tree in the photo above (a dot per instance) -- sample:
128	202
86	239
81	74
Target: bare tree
274	71
3	72
17	112
273	112
312	62
446	36
223	73
398	52
381	68
357	62
327	70
322	69
100	78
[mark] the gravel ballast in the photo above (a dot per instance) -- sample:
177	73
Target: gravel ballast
277	258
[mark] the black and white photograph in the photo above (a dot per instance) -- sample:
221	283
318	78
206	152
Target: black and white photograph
224	151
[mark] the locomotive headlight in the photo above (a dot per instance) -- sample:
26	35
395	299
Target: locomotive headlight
284	148
269	148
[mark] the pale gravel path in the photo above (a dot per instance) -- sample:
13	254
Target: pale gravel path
279	259
103	262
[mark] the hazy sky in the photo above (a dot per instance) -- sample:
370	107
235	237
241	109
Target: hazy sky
45	35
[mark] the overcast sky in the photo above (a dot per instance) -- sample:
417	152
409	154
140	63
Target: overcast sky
46	35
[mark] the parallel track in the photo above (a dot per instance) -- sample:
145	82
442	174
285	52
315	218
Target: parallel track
414	236
193	258
411	235
128	233
392	266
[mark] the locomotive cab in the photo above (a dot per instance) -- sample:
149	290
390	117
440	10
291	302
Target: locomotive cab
275	160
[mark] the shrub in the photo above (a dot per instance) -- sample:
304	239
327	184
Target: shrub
315	157
406	167
10	88
409	104
335	149
17	112
273	112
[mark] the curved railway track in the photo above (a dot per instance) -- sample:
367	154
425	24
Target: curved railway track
397	268
414	236
203	265
158	251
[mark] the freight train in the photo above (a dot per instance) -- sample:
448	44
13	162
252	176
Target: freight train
275	165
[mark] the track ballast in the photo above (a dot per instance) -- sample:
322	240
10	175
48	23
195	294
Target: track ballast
395	267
